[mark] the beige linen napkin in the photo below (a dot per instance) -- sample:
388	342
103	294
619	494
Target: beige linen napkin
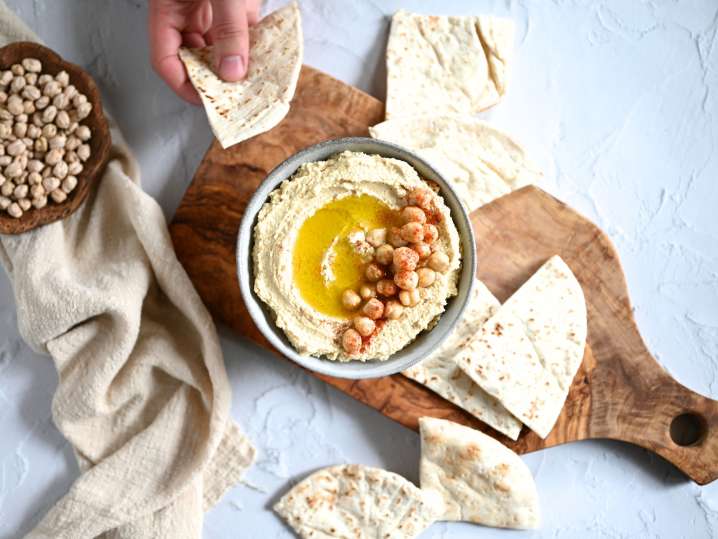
143	395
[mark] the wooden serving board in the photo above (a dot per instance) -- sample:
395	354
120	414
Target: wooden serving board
620	391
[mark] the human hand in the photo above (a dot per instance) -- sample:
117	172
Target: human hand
196	23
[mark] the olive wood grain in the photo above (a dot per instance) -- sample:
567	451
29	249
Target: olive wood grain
100	142
620	392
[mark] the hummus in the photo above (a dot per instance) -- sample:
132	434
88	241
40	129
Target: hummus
305	254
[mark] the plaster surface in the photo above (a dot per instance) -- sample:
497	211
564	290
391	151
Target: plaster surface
616	100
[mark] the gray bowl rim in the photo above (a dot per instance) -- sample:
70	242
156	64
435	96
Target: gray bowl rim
427	341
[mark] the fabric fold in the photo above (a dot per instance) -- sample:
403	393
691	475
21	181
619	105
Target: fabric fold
143	395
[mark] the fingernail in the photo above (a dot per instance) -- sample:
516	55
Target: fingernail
231	68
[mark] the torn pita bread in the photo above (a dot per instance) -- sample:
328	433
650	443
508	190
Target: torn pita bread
552	307
481	162
446	65
441	374
354	501
480	479
243	109
503	361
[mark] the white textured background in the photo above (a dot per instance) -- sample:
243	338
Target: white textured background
616	99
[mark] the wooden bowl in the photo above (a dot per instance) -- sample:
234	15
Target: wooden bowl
100	142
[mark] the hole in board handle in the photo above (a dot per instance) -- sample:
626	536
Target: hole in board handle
688	429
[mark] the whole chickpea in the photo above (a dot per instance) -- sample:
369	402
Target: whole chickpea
439	261
386	288
351	341
405	259
393	310
374	272
364	325
384	254
412	232
412	214
350	299
406	280
373	308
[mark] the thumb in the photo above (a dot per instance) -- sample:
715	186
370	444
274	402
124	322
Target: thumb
230	35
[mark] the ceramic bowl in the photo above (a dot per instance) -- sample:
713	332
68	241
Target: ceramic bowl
427	341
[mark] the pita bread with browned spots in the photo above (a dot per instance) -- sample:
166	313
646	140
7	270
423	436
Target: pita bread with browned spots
479	479
503	361
446	64
353	501
440	373
239	110
552	307
481	162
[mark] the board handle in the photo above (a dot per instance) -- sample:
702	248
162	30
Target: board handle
661	415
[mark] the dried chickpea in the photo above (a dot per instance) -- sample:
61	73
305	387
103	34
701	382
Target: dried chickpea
35	165
6	78
71	157
63	78
32	65
51	89
49	114
39	202
7	188
34	178
15	210
84	110
74	167
72	143
53	157
41	145
4	202
60	170
364	325
50	184
28	107
37	191
49	131
57	141
14	170
83	133
24	204
3	97
60	102
63	120
58	195
15	148
69	184
20	130
20	192
14	105
42	102
17	84
43	79
5	160
78	100
17	69
31	78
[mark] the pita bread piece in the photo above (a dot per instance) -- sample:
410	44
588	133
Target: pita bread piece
552	307
239	110
353	501
480	479
446	65
503	361
481	162
440	373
